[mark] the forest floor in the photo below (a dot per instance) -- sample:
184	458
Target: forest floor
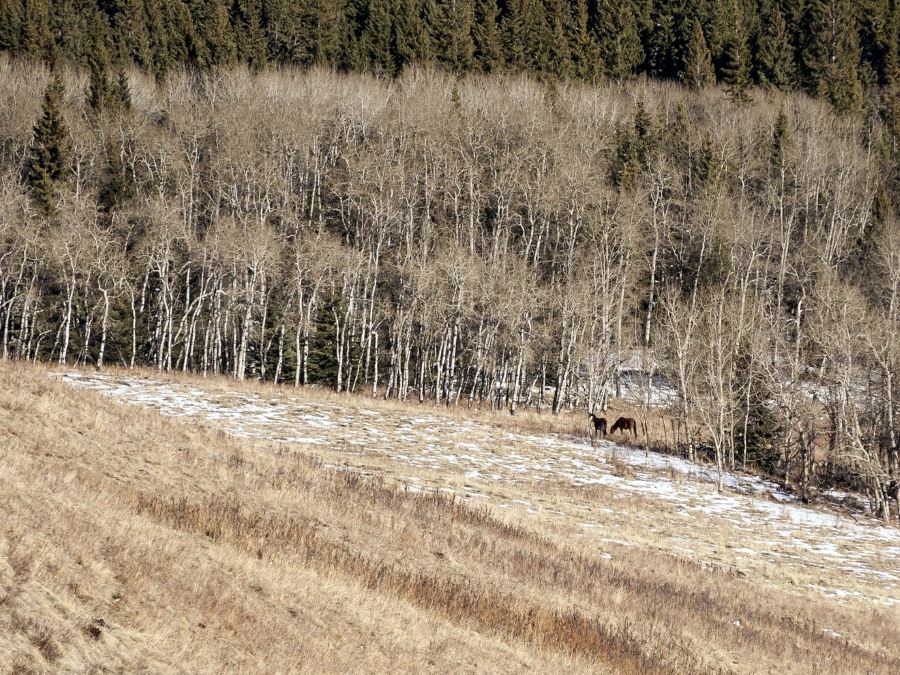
213	525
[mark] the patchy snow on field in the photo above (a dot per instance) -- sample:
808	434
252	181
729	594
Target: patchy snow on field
856	559
636	386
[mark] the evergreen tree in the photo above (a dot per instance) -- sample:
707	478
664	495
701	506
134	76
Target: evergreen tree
311	32
527	36
211	41
736	72
411	41
159	39
328	30
323	361
832	56
781	140
539	37
874	36
763	426
515	33
559	59
117	187
72	25
121	92
250	43
10	24
775	55
35	40
625	167
583	48
617	35
665	55
355	17
130	33
450	30
376	41
834	48
698	69
678	138
890	146
99	91
702	169
284	23
487	49
721	21
635	146
48	157
644	140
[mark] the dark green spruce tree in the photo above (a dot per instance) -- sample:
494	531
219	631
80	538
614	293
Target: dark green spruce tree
514	31
670	37
450	32
121	91
250	42
891	112
116	187
736	72
832	55
35	40
775	54
539	37
527	36
411	42
719	26
875	37
100	93
698	70
48	157
10	24
376	53
488	50
780	144
163	43
559	57
306	33
210	41
583	49
128	21
617	34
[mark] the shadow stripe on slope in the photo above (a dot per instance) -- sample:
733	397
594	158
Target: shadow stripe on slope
462	600
660	602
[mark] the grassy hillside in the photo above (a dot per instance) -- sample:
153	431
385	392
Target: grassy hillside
134	542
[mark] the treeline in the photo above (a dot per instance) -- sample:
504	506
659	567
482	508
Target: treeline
837	49
489	240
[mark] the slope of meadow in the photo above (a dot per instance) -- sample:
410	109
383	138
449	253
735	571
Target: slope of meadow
266	530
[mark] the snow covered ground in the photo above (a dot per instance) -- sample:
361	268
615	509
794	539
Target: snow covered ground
751	526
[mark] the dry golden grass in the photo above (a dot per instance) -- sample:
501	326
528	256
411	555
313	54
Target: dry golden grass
131	542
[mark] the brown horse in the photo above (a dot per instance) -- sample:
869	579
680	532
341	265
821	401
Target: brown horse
625	424
598	426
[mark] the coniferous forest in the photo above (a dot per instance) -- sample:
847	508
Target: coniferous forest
490	202
836	49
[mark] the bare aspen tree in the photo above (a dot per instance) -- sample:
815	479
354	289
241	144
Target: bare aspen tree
713	394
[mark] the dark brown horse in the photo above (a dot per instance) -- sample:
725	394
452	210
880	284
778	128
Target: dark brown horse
625	424
598	426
